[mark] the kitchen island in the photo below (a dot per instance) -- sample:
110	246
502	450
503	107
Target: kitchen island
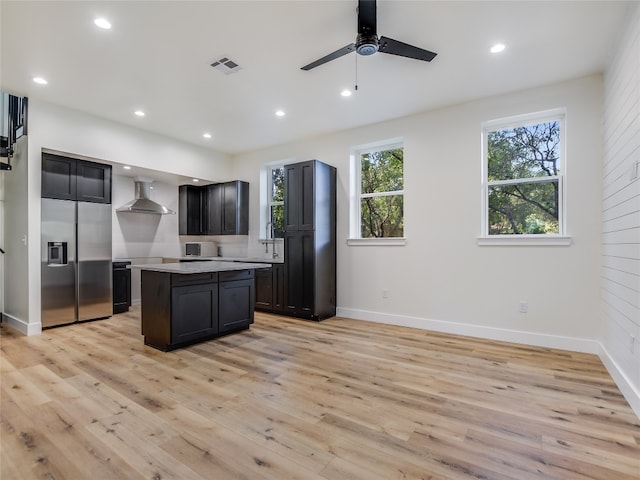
185	303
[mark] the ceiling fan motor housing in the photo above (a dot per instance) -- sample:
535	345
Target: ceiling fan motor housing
367	44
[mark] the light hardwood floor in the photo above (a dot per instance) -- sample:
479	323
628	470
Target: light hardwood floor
340	399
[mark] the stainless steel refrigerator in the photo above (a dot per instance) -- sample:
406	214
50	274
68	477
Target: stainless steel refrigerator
75	261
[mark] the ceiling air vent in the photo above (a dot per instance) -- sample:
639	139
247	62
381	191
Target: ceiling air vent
226	66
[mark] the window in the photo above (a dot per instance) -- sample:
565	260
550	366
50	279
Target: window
378	192
523	180
275	201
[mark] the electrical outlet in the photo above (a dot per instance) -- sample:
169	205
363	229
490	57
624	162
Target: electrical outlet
632	344
385	293
524	306
633	171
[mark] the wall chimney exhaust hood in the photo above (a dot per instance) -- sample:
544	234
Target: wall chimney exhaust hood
142	203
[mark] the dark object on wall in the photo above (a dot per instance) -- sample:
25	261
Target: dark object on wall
121	287
310	240
217	209
13	125
368	43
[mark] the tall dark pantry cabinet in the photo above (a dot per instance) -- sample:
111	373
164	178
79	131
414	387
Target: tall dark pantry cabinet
310	240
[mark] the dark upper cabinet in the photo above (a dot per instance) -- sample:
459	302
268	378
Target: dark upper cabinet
213	215
58	177
190	210
309	282
235	208
299	196
218	209
93	182
71	179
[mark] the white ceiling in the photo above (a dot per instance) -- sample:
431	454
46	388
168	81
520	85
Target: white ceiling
157	56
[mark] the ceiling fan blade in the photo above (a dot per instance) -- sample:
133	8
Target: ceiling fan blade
332	56
367	17
394	47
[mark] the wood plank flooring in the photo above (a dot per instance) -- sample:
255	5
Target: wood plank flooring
340	399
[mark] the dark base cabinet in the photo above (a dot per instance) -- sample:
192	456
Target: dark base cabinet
182	309
264	289
121	287
194	312
237	300
270	289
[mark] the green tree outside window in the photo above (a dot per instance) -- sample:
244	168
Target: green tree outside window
523	179
276	202
382	194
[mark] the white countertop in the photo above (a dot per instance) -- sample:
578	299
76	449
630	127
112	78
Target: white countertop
233	259
207	266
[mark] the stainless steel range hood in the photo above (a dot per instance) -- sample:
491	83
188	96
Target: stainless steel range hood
142	203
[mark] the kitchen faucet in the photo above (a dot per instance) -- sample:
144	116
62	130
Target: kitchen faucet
269	240
266	237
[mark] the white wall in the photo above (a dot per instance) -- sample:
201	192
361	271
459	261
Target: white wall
2	196
441	278
16	229
138	235
620	284
58	128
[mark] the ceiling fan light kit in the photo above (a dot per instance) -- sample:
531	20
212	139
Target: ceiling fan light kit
367	41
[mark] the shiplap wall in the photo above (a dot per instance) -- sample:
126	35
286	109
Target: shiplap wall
620	283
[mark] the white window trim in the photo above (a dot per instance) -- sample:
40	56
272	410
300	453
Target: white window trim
355	194
524	240
370	242
560	239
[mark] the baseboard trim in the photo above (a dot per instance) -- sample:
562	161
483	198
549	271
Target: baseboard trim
22	326
490	333
631	394
573	344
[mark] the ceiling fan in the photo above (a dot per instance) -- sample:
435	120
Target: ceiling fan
367	42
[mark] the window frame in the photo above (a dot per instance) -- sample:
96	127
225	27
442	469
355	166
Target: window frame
270	202
560	238
356	195
266	199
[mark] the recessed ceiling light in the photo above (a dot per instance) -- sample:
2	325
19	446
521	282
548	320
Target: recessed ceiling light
280	113
206	135
127	167
139	113
102	23
196	180
40	80
346	93
497	48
